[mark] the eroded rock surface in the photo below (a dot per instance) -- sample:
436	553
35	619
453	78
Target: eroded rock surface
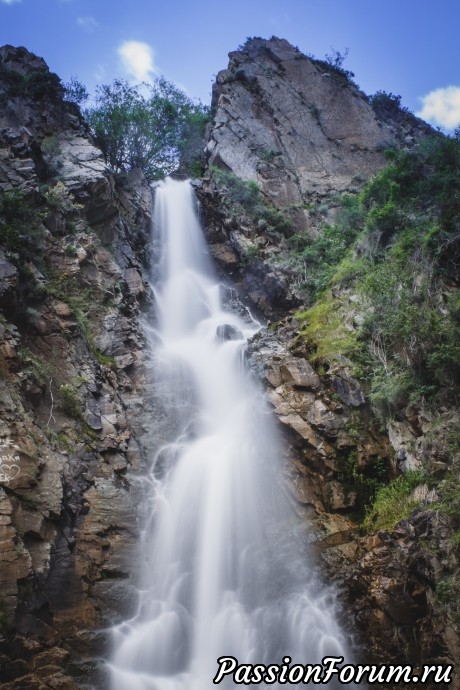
73	404
296	125
304	133
334	449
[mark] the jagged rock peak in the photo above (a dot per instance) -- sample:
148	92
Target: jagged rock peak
297	125
32	97
21	60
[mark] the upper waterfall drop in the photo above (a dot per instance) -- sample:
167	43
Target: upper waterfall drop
222	574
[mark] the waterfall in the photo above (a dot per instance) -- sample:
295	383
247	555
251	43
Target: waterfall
223	573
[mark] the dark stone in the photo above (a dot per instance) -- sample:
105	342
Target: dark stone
228	332
349	391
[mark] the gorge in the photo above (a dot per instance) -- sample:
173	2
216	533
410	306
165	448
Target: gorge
289	135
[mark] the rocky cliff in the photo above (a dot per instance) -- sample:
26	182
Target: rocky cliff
298	125
304	133
291	134
72	354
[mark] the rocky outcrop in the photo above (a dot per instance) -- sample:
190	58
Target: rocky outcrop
297	125
73	386
304	133
334	447
335	453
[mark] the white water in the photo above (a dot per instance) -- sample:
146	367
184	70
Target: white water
222	575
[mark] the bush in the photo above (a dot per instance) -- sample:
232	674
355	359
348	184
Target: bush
60	199
70	401
333	63
150	127
20	226
382	100
248	197
396	244
393	502
75	91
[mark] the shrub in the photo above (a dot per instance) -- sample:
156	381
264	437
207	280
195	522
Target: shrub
70	401
333	63
20	222
382	100
151	127
393	502
249	198
75	91
60	199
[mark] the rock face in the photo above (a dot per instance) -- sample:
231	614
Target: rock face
73	429
331	443
296	125
304	133
301	132
334	451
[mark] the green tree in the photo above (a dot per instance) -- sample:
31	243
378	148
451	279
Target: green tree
75	91
152	127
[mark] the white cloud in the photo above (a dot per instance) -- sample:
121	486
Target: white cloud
10	2
442	107
138	60
89	24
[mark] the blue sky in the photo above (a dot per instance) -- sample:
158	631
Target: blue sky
408	47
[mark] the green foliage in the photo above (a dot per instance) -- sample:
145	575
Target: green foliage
324	328
60	440
387	101
75	91
366	481
448	597
36	85
247	197
449	488
151	127
70	401
333	63
393	502
20	227
40	370
82	301
322	255
269	155
60	199
395	245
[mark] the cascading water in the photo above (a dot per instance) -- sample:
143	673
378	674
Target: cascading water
220	576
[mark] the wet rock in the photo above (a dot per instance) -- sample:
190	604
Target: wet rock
134	281
228	332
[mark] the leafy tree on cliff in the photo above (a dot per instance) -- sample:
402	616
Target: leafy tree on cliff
154	127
